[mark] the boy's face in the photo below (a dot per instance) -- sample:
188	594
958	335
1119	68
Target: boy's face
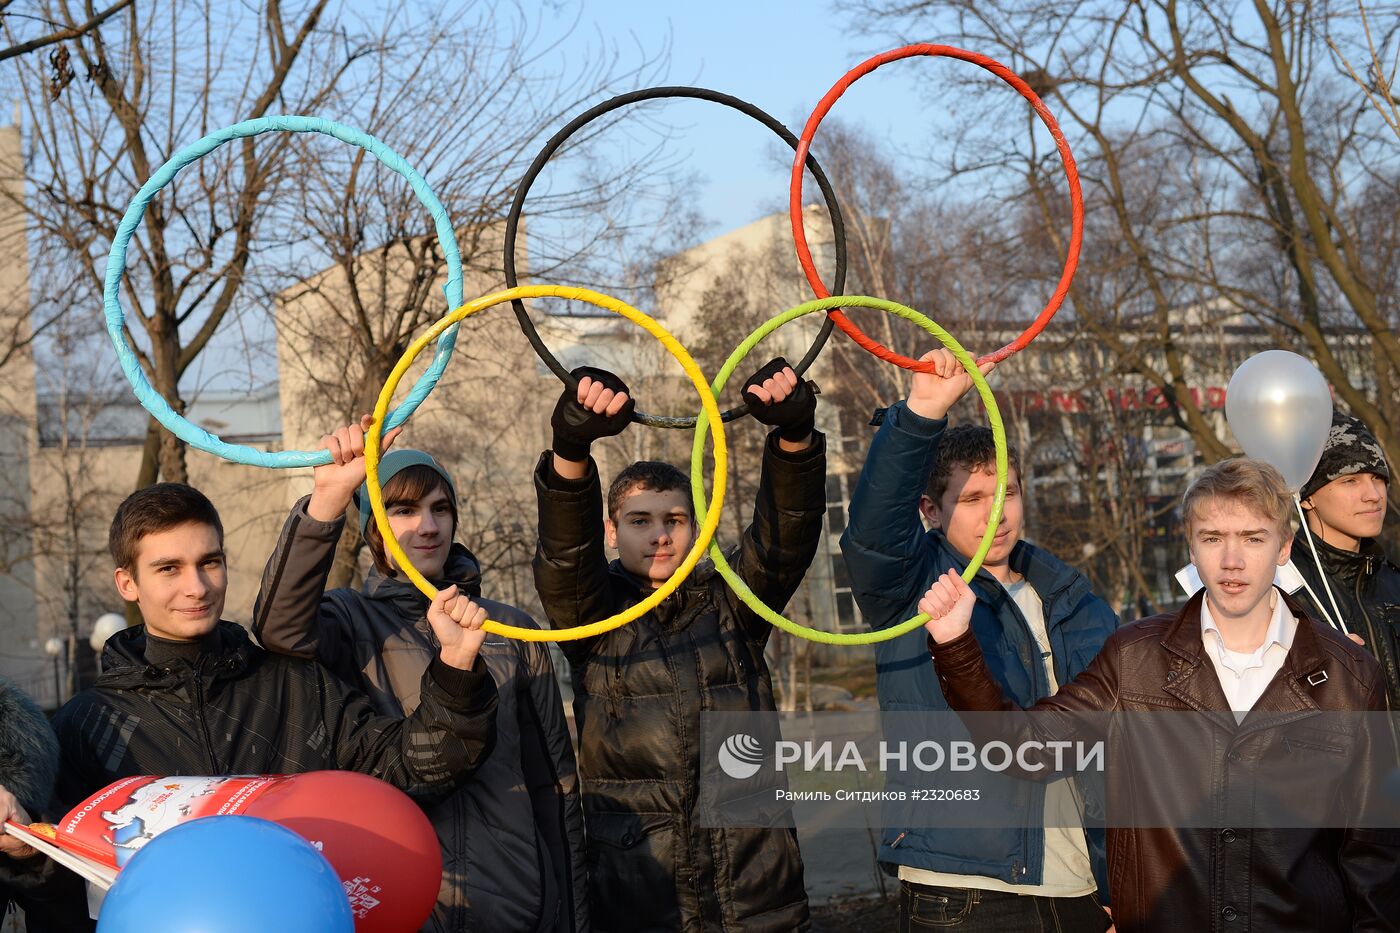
1236	551
652	532
424	531
178	580
1353	505
965	506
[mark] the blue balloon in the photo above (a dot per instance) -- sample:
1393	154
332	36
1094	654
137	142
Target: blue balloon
227	874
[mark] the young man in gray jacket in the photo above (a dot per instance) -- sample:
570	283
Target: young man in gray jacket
512	834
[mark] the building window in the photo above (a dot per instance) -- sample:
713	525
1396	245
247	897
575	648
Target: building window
840	576
835	503
847	615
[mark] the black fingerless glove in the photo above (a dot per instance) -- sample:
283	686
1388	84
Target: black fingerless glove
795	417
576	428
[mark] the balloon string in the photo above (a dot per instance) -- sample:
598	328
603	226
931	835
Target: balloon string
1340	624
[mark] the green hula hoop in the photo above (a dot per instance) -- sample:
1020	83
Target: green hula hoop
697	487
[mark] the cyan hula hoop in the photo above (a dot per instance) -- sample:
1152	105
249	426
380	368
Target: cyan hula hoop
146	394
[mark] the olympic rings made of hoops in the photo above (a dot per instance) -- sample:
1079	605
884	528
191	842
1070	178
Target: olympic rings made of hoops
146	394
838	228
712	420
697	488
1076	198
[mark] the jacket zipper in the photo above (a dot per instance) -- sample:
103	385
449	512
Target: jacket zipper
1037	665
1372	636
204	723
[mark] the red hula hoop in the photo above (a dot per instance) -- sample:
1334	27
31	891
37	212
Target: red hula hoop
804	253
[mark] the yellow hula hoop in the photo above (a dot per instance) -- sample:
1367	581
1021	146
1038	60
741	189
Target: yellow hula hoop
673	346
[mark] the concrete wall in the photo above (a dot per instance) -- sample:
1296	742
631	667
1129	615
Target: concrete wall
21	657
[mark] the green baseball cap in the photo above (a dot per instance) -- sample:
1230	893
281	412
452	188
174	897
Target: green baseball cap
392	464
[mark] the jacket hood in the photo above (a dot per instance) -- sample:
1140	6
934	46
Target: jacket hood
462	569
28	749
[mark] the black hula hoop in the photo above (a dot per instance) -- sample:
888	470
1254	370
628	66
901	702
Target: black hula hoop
838	228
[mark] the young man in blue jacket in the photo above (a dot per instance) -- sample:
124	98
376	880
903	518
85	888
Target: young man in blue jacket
1039	625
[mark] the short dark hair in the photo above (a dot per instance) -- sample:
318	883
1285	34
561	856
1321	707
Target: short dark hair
971	447
404	488
155	509
647	474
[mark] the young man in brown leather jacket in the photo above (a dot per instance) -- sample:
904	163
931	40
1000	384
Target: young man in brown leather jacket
1250	662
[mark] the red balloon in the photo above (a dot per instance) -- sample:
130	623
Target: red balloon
377	839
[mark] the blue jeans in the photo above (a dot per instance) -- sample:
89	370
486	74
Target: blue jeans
969	910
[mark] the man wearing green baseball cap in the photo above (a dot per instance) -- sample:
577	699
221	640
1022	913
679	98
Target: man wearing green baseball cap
512	834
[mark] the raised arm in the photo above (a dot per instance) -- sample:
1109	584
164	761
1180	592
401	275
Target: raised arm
571	565
289	615
778	546
968	686
883	541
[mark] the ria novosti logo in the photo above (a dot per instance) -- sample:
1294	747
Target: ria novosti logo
741	756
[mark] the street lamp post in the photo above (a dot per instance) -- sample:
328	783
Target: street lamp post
54	649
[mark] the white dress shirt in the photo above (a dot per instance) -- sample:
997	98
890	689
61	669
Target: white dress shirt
1244	675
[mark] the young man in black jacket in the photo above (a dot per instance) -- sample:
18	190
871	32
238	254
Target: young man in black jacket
186	693
1345	504
640	689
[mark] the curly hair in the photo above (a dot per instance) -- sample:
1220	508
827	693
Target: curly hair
971	447
652	475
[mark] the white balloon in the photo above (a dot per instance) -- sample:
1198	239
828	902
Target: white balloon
1280	409
107	625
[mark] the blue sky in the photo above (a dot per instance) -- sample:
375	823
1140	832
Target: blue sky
780	56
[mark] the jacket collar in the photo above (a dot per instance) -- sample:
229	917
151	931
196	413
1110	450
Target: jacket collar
132	658
1283	625
1061	588
461	570
1346	566
640	588
1191	678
